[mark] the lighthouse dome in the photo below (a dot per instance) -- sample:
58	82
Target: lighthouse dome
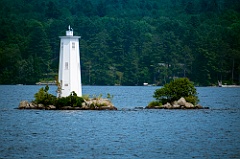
69	32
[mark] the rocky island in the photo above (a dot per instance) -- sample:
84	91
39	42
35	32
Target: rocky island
178	94
45	101
91	104
179	104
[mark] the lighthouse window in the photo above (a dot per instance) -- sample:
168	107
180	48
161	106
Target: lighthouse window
73	45
66	65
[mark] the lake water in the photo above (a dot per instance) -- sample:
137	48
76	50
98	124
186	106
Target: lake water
126	133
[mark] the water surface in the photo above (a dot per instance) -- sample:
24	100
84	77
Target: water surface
126	133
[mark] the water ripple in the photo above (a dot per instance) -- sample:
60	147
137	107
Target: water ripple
128	133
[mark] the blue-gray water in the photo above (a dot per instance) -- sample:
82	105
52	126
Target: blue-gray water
127	133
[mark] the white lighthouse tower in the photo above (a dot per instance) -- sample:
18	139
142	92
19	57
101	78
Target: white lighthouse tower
69	73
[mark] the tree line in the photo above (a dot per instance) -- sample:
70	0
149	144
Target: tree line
124	42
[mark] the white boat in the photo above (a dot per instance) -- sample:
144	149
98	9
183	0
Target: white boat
225	85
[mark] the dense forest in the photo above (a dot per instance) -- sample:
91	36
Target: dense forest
123	42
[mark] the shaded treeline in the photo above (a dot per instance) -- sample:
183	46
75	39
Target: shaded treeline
125	42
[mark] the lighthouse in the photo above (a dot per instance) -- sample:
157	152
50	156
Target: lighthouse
69	73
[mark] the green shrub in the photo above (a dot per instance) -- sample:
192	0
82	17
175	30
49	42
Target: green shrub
63	101
71	100
79	101
92	106
100	104
109	96
176	89
39	96
43	97
154	103
192	99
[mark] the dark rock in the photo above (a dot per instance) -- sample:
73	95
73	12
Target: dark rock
107	108
77	108
199	107
139	108
182	107
66	108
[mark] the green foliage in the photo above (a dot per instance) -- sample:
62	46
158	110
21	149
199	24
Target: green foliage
43	97
92	106
192	99
154	103
75	101
100	104
176	89
71	100
63	101
109	96
40	96
126	42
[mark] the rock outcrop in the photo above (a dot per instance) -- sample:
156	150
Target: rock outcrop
91	104
180	104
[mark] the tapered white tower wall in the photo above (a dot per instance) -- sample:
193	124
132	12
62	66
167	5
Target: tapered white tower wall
69	75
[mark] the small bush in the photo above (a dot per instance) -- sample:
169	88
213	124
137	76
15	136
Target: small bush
43	97
71	100
79	101
192	99
63	101
176	89
92	106
39	96
109	96
154	103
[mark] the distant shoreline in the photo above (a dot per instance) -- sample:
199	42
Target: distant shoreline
46	83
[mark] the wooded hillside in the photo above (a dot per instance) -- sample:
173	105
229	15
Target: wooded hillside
124	42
